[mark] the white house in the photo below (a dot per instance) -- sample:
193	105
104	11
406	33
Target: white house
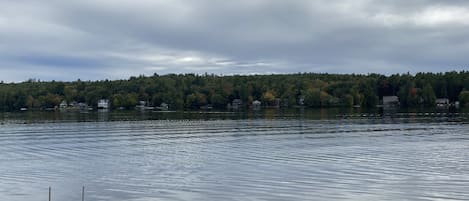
390	101
442	102
63	104
103	104
256	105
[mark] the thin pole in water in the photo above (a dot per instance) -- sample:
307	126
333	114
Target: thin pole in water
49	193
83	194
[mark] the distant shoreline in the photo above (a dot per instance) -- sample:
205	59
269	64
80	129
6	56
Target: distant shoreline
245	92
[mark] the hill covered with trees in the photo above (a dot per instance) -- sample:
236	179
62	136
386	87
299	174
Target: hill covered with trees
190	91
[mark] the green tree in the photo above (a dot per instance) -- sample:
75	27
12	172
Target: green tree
464	98
218	101
348	100
196	100
370	98
408	95
50	100
313	98
428	96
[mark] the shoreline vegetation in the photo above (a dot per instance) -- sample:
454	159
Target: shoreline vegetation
208	91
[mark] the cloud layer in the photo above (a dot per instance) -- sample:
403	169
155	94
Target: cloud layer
113	39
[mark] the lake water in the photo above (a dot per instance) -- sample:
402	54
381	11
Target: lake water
246	158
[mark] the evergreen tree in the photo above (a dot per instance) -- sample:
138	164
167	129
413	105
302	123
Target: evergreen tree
428	96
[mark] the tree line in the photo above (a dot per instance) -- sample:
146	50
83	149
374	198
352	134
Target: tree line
192	91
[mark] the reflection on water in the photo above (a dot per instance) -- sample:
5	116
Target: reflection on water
233	157
300	113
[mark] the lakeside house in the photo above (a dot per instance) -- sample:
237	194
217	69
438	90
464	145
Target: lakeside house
163	107
74	106
256	105
83	107
390	101
301	101
63	105
442	102
206	107
236	104
103	104
144	105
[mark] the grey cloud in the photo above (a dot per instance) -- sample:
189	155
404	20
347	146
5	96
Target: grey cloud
116	39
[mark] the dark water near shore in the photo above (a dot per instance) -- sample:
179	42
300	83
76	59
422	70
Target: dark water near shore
272	155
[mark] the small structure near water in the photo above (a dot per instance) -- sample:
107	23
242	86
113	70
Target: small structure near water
206	107
390	101
256	105
143	105
301	101
163	107
63	105
74	106
442	102
236	104
103	104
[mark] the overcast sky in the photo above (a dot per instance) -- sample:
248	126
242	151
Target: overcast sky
114	39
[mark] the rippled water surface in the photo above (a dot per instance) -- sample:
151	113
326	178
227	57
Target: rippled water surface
246	159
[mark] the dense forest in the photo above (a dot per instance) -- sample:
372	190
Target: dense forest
190	91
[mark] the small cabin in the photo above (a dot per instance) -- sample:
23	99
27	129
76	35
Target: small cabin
256	105
63	104
301	101
144	105
389	101
103	104
163	107
206	107
73	104
83	107
141	104
237	104
442	102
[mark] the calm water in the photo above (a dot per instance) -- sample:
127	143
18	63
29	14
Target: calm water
236	159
